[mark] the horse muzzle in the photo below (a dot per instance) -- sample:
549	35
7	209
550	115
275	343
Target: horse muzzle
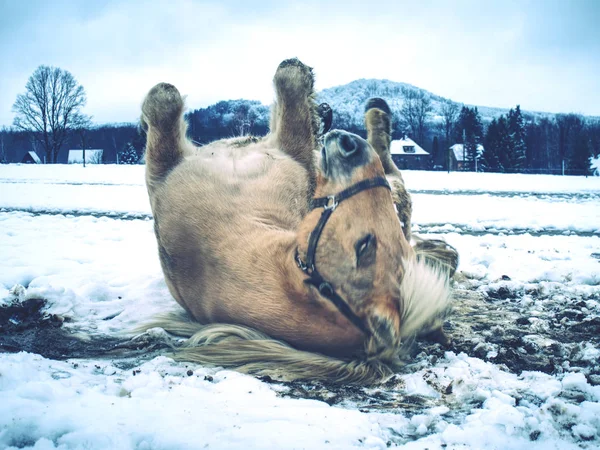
343	152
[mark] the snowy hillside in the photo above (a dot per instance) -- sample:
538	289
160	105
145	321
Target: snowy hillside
348	100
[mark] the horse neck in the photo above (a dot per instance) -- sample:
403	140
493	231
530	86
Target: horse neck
293	277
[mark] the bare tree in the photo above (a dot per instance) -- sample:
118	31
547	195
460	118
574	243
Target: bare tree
46	110
449	111
415	112
81	126
96	158
243	120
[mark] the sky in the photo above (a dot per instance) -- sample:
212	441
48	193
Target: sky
541	54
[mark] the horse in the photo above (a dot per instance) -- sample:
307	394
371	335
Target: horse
287	260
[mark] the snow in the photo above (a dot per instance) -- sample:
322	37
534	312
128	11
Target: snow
73	405
416	180
82	238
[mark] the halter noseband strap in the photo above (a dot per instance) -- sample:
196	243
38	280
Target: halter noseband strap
329	204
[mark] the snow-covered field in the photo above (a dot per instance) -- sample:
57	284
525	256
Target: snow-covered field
523	370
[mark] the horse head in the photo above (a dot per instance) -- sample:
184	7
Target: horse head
351	244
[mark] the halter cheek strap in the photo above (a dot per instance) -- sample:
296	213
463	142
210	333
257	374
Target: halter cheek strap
329	204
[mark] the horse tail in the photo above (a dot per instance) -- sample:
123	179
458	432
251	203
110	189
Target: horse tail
251	351
166	142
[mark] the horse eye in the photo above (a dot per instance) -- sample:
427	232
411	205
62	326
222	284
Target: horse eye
363	245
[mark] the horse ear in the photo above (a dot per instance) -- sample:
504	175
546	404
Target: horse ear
384	322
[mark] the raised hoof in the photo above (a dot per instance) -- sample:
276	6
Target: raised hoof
294	78
326	118
162	107
378	103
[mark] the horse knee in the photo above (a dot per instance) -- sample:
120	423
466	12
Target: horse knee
162	107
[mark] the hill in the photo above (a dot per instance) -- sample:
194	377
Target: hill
348	100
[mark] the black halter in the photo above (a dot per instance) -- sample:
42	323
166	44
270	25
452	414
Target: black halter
329	204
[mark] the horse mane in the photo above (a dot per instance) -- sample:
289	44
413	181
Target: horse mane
424	294
250	351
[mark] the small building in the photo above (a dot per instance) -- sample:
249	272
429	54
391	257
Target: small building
92	156
31	157
457	156
407	154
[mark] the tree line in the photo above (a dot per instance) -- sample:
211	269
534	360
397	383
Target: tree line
49	120
514	142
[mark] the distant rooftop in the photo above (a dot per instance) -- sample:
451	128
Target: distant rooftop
406	146
34	157
460	154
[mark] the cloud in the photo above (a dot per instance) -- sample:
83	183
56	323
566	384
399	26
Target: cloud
540	54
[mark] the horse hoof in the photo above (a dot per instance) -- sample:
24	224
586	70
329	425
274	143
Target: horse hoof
378	103
163	106
326	117
294	78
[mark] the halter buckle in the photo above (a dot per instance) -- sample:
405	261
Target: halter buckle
332	203
302	265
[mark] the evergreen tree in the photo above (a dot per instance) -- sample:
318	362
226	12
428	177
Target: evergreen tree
128	155
139	143
516	129
505	148
570	126
435	152
579	163
490	160
470	133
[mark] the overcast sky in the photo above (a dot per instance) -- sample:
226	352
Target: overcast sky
542	54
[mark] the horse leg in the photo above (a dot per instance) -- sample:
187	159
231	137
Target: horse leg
295	121
379	129
166	143
378	121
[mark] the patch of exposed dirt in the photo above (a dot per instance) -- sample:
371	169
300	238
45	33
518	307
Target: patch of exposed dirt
525	329
24	326
520	329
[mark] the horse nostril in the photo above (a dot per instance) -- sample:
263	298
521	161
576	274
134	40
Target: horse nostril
348	145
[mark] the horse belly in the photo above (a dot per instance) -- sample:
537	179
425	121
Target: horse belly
238	162
206	215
